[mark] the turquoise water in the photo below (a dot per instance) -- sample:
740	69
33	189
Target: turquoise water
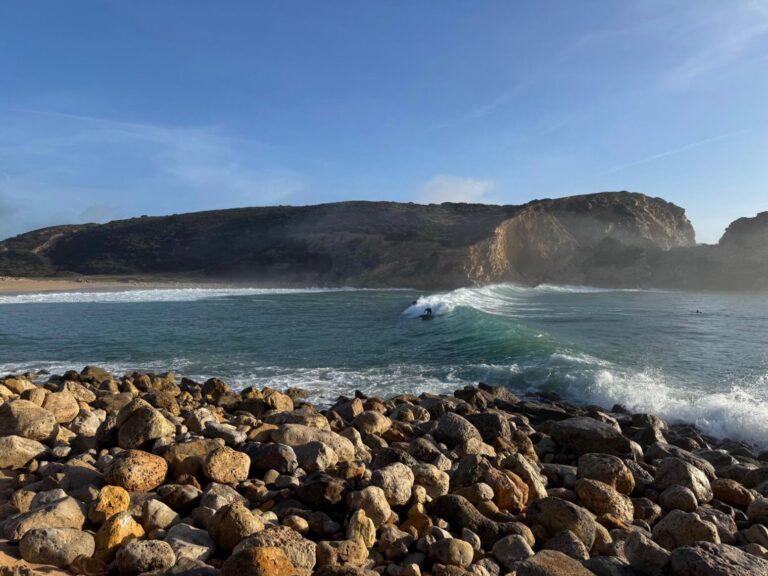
648	350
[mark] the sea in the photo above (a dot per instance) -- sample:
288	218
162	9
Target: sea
686	356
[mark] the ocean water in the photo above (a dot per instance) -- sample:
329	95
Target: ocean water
649	350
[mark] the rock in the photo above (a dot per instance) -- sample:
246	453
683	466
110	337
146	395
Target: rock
299	550
361	527
140	556
136	471
509	491
321	491
155	515
227	466
262	561
117	530
731	492
586	435
491	425
757	512
645	556
678	497
315	456
455	429
298	434
189	457
461	514
683	529
569	544
672	471
56	546
63	405
510	550
26	419
602	498
232	524
371	422
272	457
724	523
709	559
435	481
63	513
396	480
341	553
190	542
452	552
110	501
141	425
17	451
530	474
373	501
608	469
551	563
556	515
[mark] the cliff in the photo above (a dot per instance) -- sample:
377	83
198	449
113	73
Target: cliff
612	238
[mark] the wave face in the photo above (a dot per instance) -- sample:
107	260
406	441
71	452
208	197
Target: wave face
648	350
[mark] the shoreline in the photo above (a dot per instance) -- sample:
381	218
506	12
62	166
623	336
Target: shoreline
150	472
15	285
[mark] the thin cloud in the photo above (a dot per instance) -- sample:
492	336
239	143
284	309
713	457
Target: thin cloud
60	166
448	188
674	151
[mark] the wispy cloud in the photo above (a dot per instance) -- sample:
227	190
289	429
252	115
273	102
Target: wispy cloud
65	168
448	188
719	38
674	151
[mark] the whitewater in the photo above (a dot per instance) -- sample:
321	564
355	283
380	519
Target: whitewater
692	357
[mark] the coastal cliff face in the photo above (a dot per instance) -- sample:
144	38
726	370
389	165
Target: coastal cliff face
616	238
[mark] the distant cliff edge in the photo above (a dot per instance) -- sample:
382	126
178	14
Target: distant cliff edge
606	239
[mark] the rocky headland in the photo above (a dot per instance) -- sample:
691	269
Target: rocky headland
155	474
617	239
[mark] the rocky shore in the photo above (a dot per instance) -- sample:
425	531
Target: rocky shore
148	473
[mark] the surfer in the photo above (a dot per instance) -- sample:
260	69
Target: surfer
427	315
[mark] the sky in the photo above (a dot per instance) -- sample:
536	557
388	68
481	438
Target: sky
113	109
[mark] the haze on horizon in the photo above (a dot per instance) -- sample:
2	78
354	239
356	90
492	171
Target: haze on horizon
116	109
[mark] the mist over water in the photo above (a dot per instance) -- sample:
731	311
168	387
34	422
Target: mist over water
649	350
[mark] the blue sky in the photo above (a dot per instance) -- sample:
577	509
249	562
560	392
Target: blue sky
112	109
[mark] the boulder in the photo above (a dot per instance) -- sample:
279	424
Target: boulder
452	552
26	419
141	425
551	563
602	498
261	561
115	531
140	556
585	435
299	550
298	434
510	550
17	451
272	457
110	501
232	524
608	469
454	429
672	471
136	471
155	515
371	422
62	513
396	480
315	456
63	405
680	528
711	559
645	556
373	501
190	542
56	546
227	466
555	515
731	492
360	527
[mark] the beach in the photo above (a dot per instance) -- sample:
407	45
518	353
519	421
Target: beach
156	473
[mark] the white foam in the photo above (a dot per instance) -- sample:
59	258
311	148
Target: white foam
153	295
